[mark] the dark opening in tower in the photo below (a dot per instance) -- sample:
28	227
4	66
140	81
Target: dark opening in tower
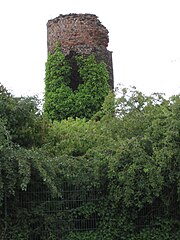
75	76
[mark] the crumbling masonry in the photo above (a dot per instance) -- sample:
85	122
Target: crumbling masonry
80	34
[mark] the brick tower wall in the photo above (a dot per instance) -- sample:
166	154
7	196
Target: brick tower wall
81	34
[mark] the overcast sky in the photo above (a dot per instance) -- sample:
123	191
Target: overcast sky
144	37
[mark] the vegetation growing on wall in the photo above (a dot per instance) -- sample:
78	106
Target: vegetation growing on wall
61	101
130	159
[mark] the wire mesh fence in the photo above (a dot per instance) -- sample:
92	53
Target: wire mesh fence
36	214
50	217
61	215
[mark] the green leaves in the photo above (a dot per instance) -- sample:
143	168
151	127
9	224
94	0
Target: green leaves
127	154
23	119
61	101
136	173
131	155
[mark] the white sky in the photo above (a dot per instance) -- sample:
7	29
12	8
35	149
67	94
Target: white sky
144	37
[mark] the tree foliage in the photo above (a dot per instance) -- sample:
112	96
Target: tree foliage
23	118
127	153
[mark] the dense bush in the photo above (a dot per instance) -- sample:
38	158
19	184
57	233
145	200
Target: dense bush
23	119
21	128
128	153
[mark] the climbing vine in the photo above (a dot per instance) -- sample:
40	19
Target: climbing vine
61	101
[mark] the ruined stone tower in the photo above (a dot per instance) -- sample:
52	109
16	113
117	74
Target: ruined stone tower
80	34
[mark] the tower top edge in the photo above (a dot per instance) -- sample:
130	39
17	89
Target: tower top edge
73	15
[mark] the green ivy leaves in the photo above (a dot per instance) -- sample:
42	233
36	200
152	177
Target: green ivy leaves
61	101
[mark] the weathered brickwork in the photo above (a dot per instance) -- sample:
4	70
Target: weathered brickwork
81	34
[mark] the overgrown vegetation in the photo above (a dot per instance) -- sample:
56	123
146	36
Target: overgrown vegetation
127	154
61	101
